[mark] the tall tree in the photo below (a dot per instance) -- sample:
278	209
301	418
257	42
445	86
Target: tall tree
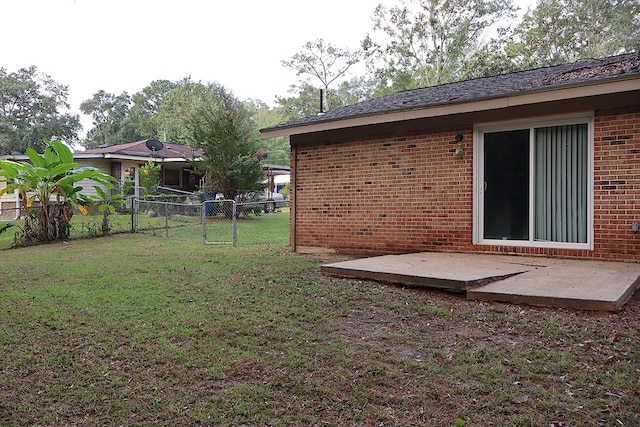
305	101
160	109
426	42
111	122
146	105
323	62
561	31
224	130
185	98
276	150
32	107
354	90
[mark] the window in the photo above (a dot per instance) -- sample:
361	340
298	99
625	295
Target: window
171	177
533	183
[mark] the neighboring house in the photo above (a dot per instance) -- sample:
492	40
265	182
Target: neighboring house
539	162
123	162
177	173
276	177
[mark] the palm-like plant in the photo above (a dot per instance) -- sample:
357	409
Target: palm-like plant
51	179
107	205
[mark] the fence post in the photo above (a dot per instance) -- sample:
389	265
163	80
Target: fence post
234	226
166	218
134	227
203	220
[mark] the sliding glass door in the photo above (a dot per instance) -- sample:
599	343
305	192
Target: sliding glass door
561	166
534	185
506	185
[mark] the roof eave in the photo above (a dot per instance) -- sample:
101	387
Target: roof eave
117	156
536	96
81	155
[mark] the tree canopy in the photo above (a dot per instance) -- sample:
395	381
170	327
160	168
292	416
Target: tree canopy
426	42
561	31
33	107
412	43
418	43
579	29
224	130
112	123
276	151
323	62
159	110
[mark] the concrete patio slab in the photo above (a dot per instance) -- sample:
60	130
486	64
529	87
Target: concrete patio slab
583	285
453	272
586	285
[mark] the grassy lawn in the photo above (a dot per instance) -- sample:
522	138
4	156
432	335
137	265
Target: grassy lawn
142	330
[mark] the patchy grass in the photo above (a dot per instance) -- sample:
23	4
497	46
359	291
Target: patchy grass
138	330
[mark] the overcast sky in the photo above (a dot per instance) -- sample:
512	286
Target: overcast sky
123	45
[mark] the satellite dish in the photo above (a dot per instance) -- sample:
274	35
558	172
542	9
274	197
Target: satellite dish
154	145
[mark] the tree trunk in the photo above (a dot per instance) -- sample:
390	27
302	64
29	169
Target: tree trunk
54	222
105	221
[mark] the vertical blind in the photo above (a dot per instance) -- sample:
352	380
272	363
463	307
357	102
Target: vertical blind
561	177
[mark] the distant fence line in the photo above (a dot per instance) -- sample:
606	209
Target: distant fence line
210	222
217	221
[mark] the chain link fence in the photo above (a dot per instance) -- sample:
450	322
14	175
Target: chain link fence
81	226
9	214
214	221
209	222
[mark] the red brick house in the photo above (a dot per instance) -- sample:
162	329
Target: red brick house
538	162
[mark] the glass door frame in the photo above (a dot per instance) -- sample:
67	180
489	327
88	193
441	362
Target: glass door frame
478	178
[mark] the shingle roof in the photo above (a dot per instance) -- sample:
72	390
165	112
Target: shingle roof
581	72
139	148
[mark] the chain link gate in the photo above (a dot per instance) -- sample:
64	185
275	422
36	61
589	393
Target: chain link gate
219	222
212	221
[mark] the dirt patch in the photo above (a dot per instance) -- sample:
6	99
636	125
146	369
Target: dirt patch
368	326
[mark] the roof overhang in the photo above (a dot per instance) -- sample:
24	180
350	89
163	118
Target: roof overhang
116	156
76	156
619	85
108	156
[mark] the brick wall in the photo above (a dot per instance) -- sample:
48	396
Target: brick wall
617	184
386	195
411	193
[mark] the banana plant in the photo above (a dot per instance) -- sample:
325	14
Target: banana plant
107	205
51	179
